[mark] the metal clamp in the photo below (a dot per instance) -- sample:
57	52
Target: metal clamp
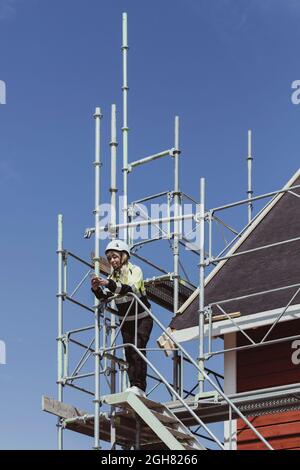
88	232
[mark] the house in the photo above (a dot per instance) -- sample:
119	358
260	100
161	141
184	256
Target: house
264	315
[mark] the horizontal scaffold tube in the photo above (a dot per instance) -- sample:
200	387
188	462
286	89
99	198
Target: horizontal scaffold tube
150	158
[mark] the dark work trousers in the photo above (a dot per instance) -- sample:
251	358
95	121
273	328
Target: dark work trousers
137	367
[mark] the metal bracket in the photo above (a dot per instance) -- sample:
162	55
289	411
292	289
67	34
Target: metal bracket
65	338
132	212
110	230
207	262
197	217
206	395
207	311
173	152
88	233
62	295
170	195
209	216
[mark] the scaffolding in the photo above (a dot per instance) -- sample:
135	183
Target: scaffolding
182	421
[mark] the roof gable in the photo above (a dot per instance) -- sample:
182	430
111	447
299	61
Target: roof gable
257	271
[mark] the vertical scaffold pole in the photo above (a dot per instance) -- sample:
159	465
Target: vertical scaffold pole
97	164
125	128
113	181
113	221
250	190
176	361
201	281
60	300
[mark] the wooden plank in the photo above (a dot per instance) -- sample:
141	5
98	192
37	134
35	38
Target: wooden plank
166	344
271	380
125	424
62	410
223	317
283	430
266	368
278	443
271	420
281	351
287	328
280	435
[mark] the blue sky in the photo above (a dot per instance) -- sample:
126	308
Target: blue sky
223	66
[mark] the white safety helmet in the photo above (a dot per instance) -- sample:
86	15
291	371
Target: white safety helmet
118	245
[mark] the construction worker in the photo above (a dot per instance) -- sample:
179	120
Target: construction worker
124	278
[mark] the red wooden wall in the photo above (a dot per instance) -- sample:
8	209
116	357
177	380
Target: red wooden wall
263	367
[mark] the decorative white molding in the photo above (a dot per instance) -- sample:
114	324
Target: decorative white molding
245	322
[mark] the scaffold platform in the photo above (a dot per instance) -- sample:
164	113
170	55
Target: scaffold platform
209	409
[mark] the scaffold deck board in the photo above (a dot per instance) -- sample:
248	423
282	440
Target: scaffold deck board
267	401
159	291
162	292
125	422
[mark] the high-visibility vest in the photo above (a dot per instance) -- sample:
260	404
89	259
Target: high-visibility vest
132	276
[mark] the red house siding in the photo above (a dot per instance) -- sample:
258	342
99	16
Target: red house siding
263	367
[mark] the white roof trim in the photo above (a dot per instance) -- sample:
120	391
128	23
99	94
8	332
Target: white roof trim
250	229
246	322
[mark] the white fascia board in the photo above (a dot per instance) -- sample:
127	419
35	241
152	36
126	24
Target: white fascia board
246	322
253	224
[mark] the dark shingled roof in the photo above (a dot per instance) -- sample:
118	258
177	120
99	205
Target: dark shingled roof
258	271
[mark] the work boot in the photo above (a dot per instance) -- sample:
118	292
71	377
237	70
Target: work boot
137	391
